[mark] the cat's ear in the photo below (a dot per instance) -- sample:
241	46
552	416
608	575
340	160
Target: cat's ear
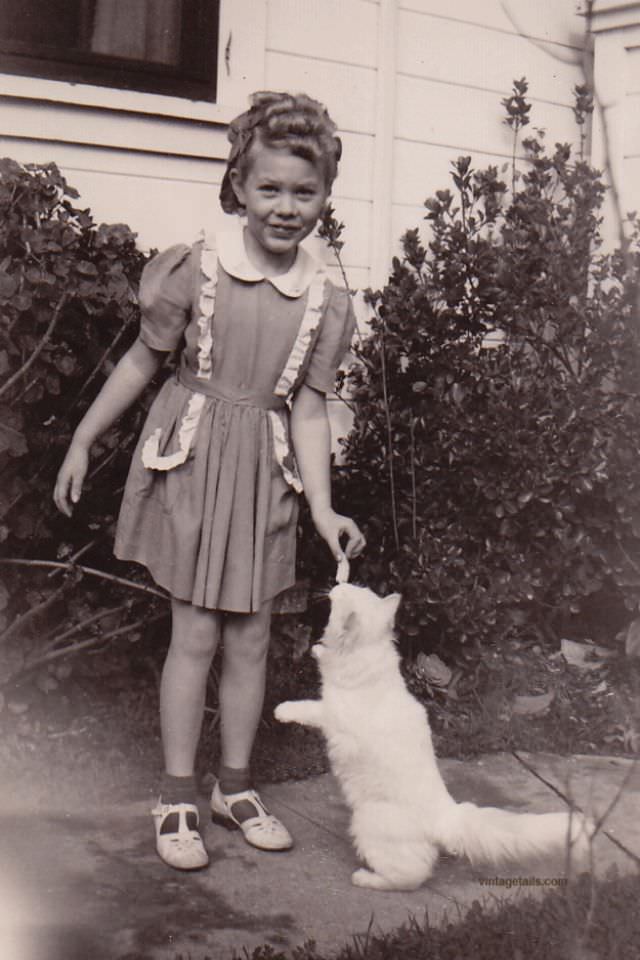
391	604
350	623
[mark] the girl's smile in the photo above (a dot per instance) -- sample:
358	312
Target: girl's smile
283	196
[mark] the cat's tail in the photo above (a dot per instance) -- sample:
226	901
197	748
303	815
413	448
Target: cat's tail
490	835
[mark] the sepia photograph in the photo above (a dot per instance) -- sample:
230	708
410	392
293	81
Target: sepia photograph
319	479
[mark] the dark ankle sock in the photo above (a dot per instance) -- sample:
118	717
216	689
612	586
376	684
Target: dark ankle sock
237	780
177	789
234	779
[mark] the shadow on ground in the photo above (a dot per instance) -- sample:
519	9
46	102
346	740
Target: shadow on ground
86	883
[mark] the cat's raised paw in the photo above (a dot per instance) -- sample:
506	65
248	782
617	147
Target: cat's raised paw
286	712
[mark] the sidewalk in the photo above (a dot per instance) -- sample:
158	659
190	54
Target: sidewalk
87	885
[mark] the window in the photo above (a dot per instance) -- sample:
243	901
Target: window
158	46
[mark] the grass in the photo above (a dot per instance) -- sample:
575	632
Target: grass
590	920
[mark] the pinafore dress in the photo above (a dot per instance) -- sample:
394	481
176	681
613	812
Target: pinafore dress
211	501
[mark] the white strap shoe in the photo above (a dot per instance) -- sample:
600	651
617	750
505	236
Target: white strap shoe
178	841
263	831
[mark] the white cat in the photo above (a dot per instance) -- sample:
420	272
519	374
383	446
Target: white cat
379	745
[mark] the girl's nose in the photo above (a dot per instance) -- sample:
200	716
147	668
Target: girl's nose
286	205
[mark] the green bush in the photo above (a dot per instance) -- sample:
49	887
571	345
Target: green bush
498	484
68	310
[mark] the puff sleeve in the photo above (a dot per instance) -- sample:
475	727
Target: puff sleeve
165	297
337	328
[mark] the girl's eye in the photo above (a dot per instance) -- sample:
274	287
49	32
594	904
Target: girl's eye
268	190
306	194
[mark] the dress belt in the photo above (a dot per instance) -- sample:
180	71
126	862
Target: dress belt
219	391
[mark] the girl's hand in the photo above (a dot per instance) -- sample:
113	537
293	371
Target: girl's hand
332	526
126	381
68	488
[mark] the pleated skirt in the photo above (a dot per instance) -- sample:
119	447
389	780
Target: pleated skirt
219	530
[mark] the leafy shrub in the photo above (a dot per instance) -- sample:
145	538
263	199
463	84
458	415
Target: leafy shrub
498	483
68	310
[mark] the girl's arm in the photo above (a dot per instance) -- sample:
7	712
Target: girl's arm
126	382
311	437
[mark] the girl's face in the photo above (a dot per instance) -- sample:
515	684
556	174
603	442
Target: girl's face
283	196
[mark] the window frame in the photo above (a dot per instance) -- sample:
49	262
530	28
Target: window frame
196	78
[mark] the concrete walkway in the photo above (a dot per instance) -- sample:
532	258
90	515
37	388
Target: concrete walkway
87	885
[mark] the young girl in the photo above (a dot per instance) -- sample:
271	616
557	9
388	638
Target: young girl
210	506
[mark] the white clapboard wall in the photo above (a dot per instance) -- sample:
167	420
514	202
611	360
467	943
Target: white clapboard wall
616	128
412	84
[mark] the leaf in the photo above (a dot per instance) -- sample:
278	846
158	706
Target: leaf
87	269
12	441
4	596
632	639
66	365
8	285
535	705
433	669
52	384
21	302
17	707
579	655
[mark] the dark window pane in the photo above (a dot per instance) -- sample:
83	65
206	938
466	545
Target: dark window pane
163	46
55	23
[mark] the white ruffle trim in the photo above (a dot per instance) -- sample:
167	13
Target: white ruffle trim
153	460
310	320
282	450
151	457
206	307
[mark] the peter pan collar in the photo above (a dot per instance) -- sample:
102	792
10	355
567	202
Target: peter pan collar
232	255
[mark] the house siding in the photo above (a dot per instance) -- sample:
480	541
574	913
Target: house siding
412	84
456	62
616	128
158	166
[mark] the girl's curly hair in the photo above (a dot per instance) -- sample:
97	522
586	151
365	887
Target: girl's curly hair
294	121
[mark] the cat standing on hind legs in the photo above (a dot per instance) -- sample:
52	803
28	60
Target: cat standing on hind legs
380	749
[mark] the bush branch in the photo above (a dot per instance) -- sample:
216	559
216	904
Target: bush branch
387	414
90	571
98	366
72	648
87	622
23	619
40	347
574	806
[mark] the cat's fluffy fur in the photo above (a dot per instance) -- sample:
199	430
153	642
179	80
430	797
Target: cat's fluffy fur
379	745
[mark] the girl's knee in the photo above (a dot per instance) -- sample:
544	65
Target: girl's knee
247	638
195	631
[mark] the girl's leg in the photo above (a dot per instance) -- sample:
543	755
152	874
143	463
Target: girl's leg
195	633
194	638
244	664
246	642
